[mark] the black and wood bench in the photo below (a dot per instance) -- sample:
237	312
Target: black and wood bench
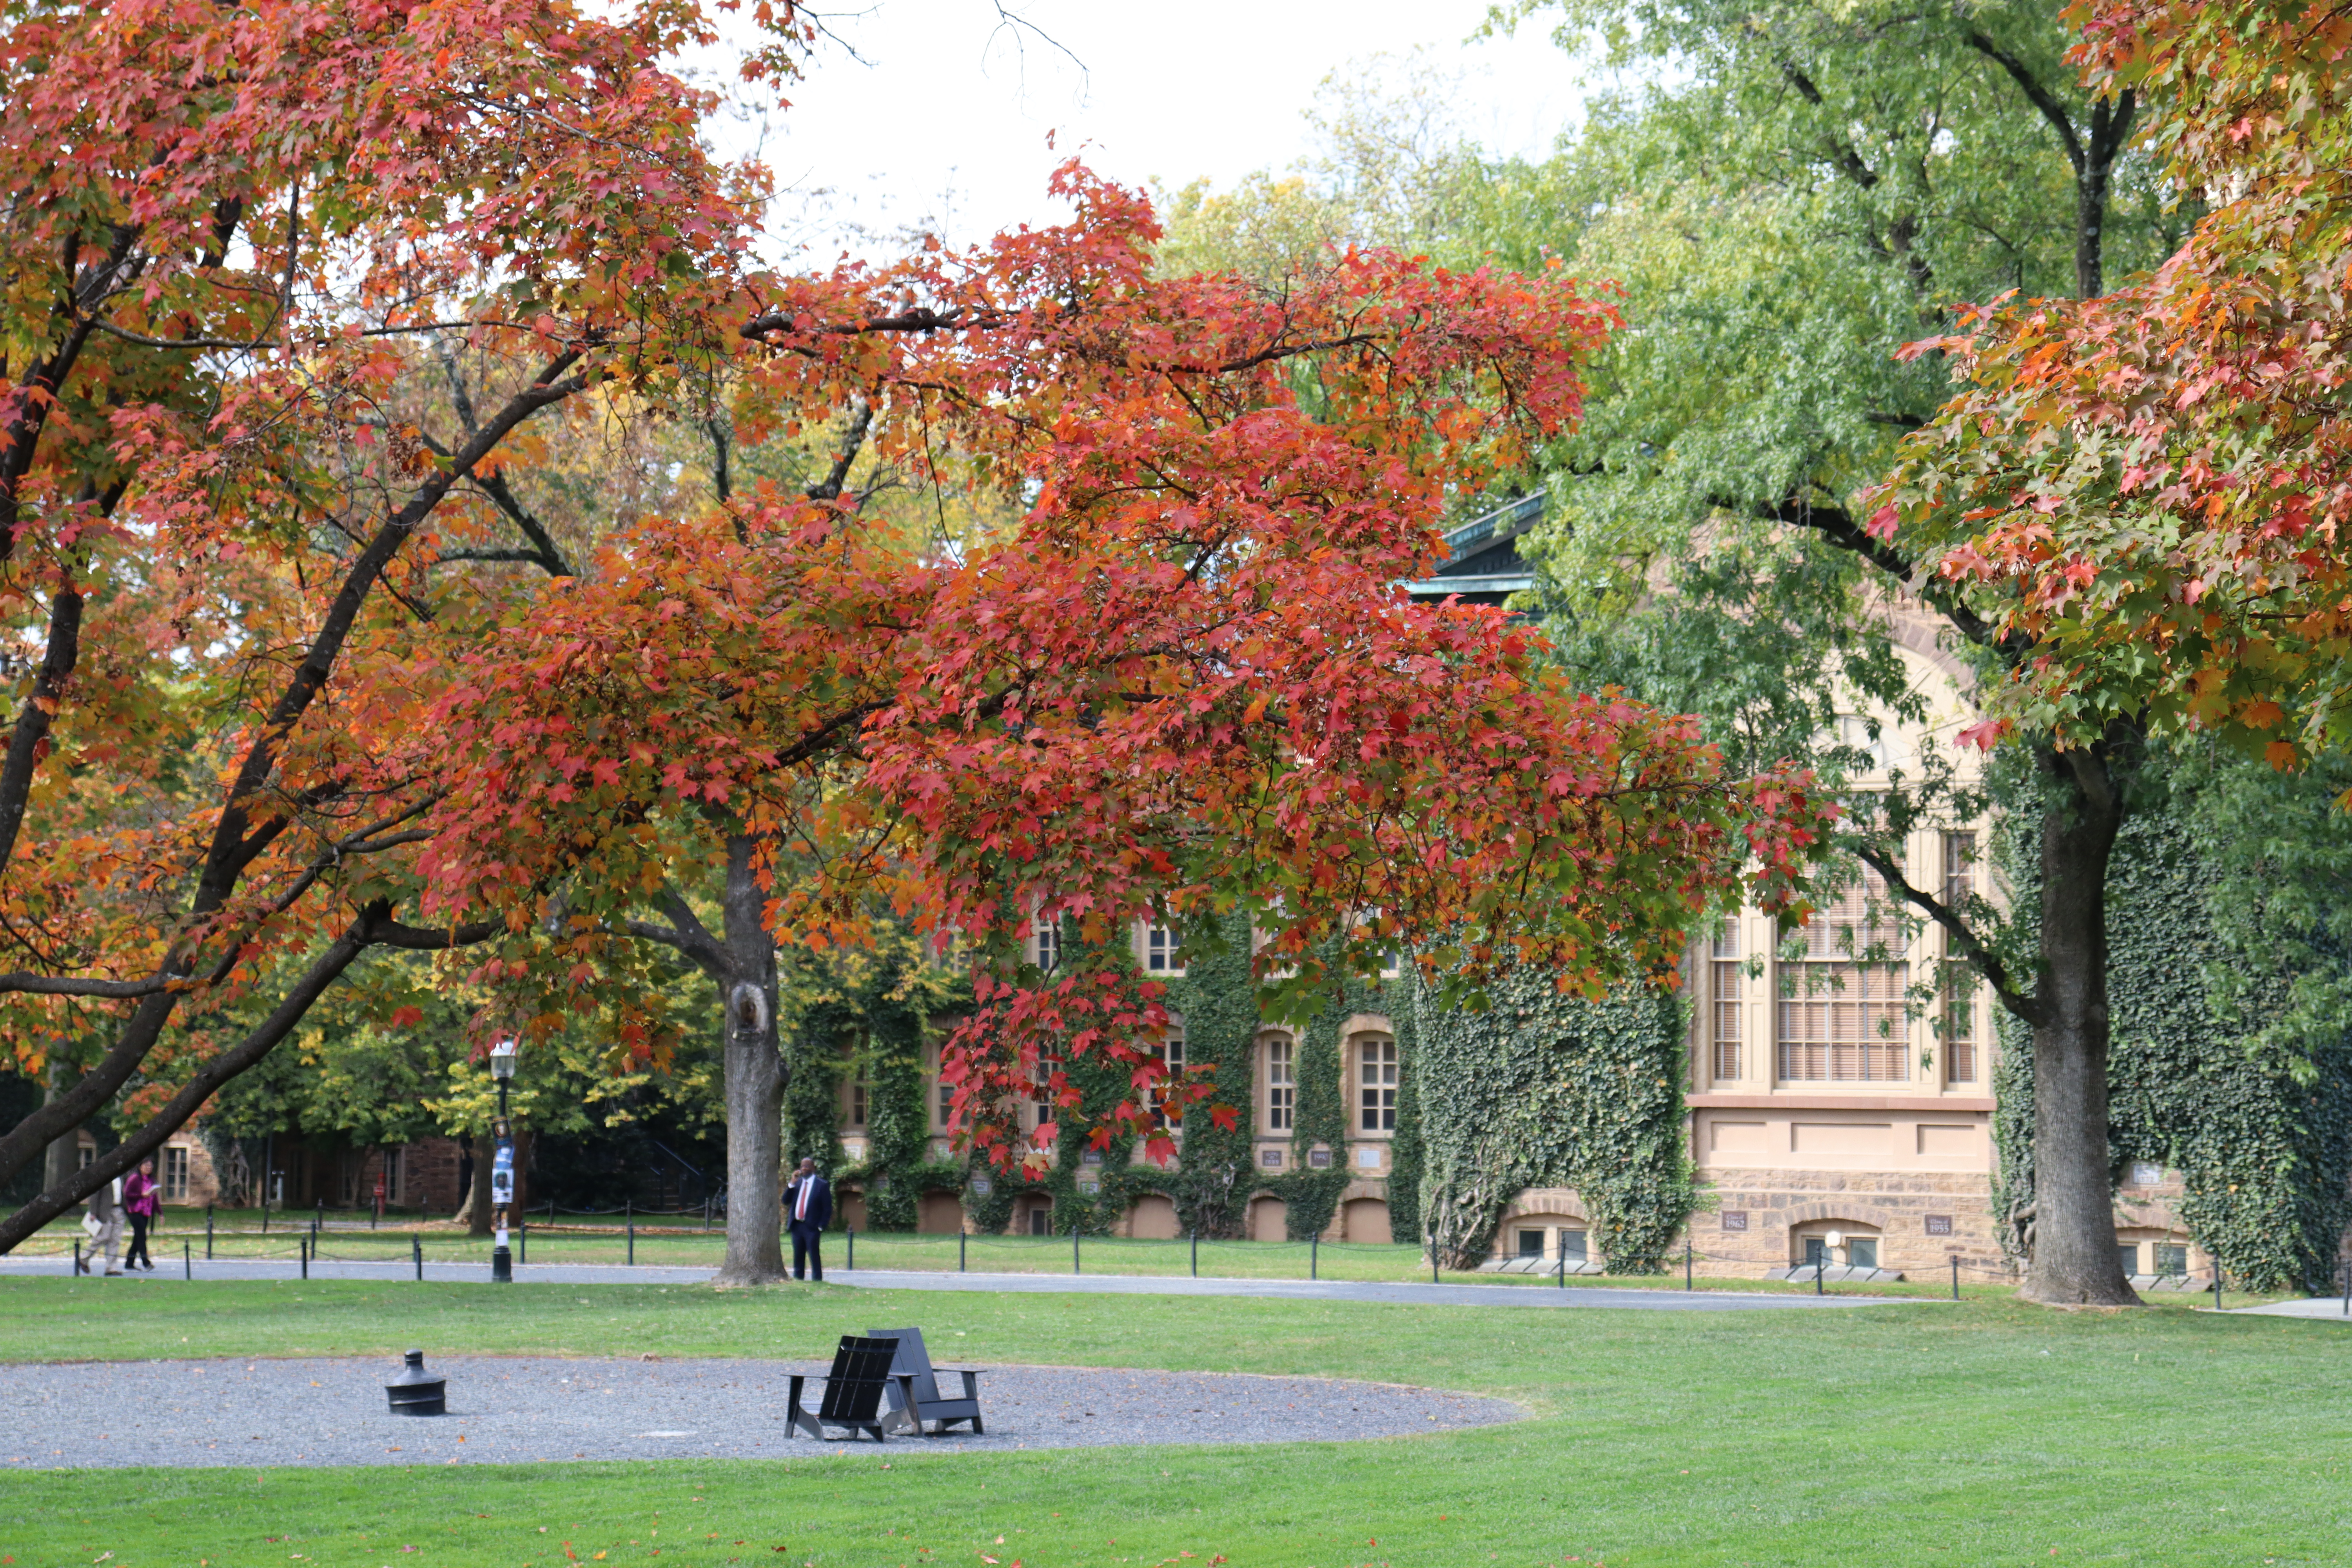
854	1392
915	1386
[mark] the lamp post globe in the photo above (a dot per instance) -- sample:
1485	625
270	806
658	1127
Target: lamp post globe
502	1069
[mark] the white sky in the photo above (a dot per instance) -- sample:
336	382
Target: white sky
944	124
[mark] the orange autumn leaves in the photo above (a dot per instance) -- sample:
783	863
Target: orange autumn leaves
1184	681
2156	483
296	288
230	229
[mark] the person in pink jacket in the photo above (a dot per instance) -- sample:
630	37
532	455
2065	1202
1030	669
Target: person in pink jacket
140	1191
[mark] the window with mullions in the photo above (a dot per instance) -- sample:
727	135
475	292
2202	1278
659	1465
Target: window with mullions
1960	985
1842	1020
1046	941
1170	1051
1281	1085
1159	951
1376	1082
1041	1087
175	1174
1725	977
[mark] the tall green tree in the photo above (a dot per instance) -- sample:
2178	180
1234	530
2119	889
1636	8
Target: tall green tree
1802	190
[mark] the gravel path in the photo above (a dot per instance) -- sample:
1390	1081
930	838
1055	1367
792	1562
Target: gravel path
1447	1295
527	1408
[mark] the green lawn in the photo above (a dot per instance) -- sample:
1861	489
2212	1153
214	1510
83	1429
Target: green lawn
1980	1433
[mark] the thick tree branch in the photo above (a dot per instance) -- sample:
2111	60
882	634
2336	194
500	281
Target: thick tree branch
1841	151
1965	947
29	741
237	839
374	926
29	412
853	440
2040	95
686	934
1835	526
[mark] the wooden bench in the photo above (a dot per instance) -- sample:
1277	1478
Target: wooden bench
854	1392
915	1386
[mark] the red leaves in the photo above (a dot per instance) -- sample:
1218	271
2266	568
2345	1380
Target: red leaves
2153	488
1182	681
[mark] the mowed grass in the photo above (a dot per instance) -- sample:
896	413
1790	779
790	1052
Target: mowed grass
1982	1433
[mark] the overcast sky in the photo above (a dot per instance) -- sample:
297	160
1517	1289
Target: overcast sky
945	113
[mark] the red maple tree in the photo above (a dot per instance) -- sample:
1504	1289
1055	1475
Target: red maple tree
292	707
2158	481
1184	681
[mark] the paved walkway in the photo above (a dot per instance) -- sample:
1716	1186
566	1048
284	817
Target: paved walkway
2328	1306
1444	1295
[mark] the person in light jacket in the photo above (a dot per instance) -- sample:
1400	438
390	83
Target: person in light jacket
140	1191
104	1222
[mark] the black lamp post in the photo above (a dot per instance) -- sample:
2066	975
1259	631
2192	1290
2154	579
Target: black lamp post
503	1066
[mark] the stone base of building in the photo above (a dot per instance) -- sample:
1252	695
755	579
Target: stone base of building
1918	1222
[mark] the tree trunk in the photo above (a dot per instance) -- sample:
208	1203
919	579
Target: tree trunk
477	1196
755	1081
2074	1261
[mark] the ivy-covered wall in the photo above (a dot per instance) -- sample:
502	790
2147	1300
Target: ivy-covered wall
1543	1090
2261	1138
1212	1186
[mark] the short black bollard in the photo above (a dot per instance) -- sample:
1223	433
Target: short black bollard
1561	1267
1074	1250
1433	1263
303	1242
2347	1288
851	1232
1314	1268
1687	1263
417	1254
187	1260
2217	1284
1196	1254
208	1232
961	1238
1956	1277
633	1238
77	1256
1820	1270
414	1392
522	1238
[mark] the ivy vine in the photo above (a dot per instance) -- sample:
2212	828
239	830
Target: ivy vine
2262	1136
1542	1089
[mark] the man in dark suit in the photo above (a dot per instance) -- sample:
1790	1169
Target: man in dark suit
808	1209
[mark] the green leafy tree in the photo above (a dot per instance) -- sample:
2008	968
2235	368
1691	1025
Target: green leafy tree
1800	191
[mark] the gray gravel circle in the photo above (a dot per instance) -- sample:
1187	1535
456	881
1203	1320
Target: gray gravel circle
524	1409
